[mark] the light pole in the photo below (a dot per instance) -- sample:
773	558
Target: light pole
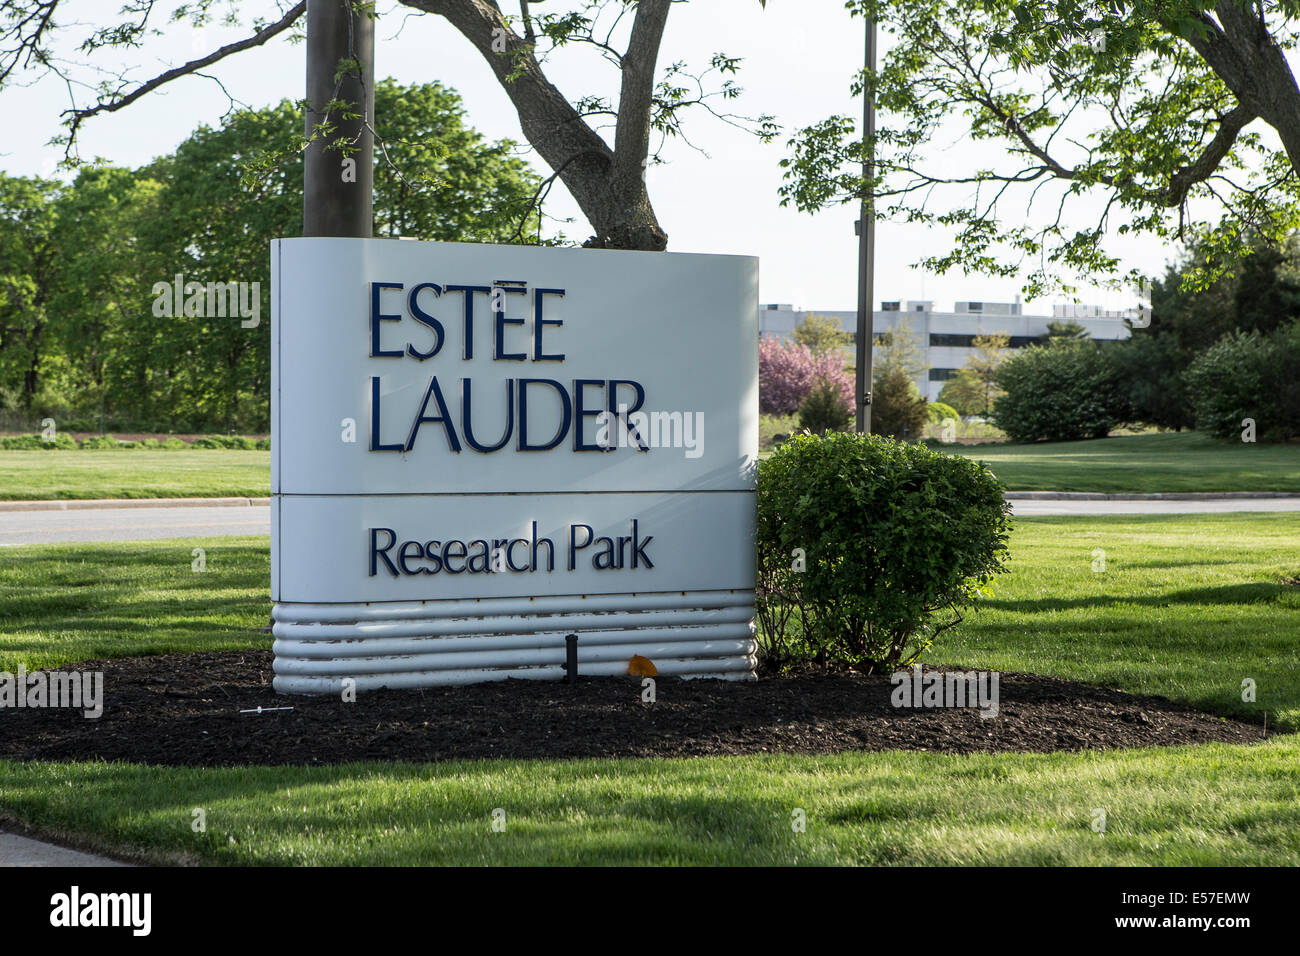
337	189
866	241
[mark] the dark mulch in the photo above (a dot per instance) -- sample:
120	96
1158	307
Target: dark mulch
184	709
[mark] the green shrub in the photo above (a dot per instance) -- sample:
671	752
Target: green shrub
872	547
149	443
100	441
224	441
897	408
174	443
936	412
264	444
21	442
824	409
1150	373
1059	392
1248	375
38	443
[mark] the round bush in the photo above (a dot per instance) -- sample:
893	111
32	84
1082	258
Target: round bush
936	412
869	548
1247	375
1059	392
173	443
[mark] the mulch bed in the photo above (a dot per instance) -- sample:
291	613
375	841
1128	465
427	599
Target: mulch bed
184	710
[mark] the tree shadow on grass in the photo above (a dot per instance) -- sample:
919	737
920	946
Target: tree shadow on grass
119	807
1231	594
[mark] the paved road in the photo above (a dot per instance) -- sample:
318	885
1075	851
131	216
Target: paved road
1153	506
130	524
143	523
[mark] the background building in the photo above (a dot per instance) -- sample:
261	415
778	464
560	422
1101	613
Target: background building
945	338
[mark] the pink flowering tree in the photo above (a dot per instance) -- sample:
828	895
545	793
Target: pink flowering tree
787	371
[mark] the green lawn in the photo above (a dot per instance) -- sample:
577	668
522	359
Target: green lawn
1135	464
133	473
1206	805
1187	607
72	602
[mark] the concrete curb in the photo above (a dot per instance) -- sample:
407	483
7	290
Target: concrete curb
1161	496
17	849
87	504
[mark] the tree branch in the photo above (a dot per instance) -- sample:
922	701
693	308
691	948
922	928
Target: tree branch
636	96
78	116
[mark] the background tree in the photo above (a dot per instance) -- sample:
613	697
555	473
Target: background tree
899	349
78	337
964	392
606	179
788	371
96	298
989	352
897	408
27	219
822	334
1174	118
1258	293
1069	331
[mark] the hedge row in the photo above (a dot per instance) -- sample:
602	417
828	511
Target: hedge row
1073	390
65	442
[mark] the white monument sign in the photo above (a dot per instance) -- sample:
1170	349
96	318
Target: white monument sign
478	450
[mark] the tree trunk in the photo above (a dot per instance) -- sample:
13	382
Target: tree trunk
1243	53
608	184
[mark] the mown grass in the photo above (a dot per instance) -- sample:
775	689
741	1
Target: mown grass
1204	805
134	473
72	602
1187	607
1142	464
1125	464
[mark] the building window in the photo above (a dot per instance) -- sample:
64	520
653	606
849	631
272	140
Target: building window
942	374
974	306
947	340
890	306
953	341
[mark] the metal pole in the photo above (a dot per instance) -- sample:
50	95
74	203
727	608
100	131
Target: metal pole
571	658
338	184
866	246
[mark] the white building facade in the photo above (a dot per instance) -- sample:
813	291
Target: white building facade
945	339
